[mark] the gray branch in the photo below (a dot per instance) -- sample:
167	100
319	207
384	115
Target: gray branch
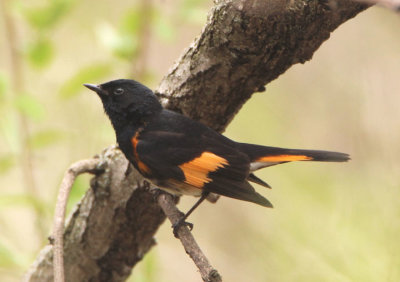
244	45
208	273
91	166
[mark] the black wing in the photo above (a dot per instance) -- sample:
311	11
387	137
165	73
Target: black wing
195	162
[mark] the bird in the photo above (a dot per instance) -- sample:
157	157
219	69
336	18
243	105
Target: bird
185	157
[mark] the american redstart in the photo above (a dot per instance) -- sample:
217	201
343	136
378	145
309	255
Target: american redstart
183	156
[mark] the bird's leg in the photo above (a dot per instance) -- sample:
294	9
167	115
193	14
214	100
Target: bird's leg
182	222
157	192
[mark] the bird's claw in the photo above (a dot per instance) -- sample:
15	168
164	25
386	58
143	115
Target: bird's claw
156	192
179	224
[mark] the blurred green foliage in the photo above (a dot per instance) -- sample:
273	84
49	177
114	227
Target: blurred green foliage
40	52
29	106
93	72
331	222
45	138
147	269
45	17
78	189
7	257
6	162
3	86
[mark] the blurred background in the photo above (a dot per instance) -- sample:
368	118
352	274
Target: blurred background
331	222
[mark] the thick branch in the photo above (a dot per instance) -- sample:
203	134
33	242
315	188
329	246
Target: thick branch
110	230
245	44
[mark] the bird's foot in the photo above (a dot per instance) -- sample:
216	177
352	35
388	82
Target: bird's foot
179	224
156	192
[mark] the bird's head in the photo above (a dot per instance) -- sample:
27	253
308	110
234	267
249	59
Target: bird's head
126	100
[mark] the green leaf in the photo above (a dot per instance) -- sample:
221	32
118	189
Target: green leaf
6	163
88	74
123	45
126	47
47	16
40	53
45	138
30	107
132	22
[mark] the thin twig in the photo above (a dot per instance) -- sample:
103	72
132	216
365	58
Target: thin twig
74	170
208	273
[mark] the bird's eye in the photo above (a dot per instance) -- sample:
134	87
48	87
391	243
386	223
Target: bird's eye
118	91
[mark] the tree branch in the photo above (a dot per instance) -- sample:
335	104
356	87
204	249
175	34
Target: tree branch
244	45
165	201
208	273
92	166
110	230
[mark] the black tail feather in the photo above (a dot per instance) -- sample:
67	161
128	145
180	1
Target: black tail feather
258	181
323	156
237	190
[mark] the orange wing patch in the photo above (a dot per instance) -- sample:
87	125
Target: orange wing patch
196	171
284	158
142	167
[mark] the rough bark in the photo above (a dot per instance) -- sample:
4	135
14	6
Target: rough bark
244	45
110	230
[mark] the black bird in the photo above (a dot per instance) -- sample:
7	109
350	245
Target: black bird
183	156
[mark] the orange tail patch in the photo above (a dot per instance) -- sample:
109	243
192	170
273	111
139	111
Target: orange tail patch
284	158
196	171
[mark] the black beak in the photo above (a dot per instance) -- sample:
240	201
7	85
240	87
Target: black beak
95	88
